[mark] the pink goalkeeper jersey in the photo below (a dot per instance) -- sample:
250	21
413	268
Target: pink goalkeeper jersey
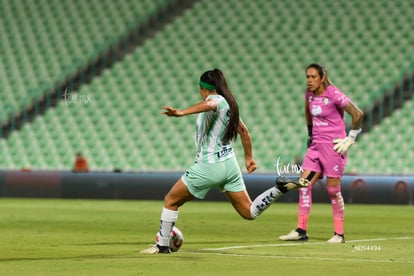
327	114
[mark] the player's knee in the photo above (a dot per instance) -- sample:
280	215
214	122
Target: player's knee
333	181
334	190
309	178
169	203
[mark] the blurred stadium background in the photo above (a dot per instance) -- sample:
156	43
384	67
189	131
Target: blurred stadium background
124	59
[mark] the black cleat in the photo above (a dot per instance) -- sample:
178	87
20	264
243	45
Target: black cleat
285	184
156	249
295	235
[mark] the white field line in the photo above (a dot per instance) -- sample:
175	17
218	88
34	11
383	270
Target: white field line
300	244
305	257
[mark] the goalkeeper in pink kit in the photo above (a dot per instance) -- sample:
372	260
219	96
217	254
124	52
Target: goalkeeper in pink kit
328	144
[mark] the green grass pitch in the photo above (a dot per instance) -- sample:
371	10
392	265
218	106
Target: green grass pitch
103	237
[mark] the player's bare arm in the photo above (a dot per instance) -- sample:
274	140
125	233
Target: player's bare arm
247	147
342	145
197	108
356	115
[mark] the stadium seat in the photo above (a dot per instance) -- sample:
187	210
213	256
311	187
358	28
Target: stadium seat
263	56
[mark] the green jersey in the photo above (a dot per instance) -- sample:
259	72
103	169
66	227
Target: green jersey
210	128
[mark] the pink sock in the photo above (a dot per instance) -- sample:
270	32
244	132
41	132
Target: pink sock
338	208
305	203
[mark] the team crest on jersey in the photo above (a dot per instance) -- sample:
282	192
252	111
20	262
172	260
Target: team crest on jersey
325	101
316	110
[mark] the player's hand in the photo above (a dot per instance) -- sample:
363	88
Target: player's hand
251	165
171	112
341	146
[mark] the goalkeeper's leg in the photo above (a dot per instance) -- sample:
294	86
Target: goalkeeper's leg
338	208
305	203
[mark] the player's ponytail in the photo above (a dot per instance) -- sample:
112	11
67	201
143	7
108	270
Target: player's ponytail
216	78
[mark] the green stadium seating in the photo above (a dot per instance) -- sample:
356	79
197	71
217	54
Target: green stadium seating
388	147
263	56
46	40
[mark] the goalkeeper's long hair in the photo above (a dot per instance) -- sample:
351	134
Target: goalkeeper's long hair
216	78
322	72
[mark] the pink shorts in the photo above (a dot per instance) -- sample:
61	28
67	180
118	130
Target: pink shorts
323	159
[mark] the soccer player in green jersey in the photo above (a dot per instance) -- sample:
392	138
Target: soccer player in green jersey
215	164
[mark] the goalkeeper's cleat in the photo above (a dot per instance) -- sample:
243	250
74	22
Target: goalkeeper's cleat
337	238
156	249
295	235
285	184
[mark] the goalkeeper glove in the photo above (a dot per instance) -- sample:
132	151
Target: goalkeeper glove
342	145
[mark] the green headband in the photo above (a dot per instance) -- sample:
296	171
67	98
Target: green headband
207	86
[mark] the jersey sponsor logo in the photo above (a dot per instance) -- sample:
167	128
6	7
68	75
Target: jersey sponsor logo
319	123
224	152
316	110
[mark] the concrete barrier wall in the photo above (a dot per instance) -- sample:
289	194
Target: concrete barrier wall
108	185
